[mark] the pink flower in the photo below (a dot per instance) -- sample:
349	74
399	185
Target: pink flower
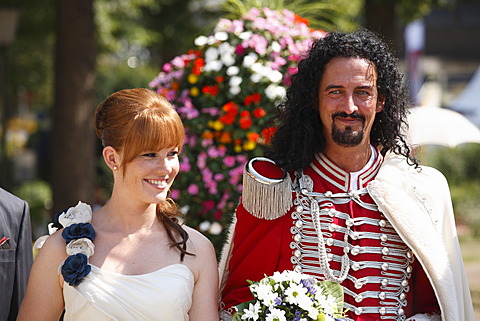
218	177
236	27
229	161
167	67
192	189
175	194
185	164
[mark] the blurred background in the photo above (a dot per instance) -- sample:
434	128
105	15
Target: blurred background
60	58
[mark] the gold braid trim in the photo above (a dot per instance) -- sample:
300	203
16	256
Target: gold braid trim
264	197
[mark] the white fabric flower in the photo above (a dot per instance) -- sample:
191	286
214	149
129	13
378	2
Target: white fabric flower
83	245
82	213
39	242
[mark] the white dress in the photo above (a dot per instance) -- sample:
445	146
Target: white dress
164	295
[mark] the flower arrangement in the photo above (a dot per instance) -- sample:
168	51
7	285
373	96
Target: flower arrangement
79	235
292	296
226	90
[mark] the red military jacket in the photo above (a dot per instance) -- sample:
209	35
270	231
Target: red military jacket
379	270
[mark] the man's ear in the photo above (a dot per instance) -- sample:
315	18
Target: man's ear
380	103
111	157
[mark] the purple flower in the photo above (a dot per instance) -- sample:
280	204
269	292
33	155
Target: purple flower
77	231
75	268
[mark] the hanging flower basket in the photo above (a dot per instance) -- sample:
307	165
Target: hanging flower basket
226	90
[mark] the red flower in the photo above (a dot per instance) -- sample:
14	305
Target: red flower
267	134
228	118
244	113
219	79
230	107
259	112
212	90
246	122
197	66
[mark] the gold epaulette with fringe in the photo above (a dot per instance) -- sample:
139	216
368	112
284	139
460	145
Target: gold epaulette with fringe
264	197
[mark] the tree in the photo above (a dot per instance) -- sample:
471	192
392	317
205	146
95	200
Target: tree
381	16
73	142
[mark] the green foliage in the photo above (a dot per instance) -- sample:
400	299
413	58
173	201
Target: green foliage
38	195
326	15
410	10
461	167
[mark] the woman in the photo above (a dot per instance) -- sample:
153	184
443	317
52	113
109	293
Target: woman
144	265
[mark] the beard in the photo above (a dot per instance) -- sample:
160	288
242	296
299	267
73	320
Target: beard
347	137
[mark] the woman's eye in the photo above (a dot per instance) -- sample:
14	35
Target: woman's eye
174	153
149	155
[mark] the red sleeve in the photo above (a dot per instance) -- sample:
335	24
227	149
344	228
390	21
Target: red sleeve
257	250
424	299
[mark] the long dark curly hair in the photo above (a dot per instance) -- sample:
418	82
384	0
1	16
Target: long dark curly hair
300	132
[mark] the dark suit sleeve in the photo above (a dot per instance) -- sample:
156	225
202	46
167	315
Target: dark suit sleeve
23	260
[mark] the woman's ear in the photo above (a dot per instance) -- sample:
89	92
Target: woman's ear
111	158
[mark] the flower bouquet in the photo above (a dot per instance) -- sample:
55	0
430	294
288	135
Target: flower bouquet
225	90
292	296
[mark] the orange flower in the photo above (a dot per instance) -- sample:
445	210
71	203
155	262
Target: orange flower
207	134
259	112
175	85
252	136
299	19
225	138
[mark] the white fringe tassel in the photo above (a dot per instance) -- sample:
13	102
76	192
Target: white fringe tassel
264	199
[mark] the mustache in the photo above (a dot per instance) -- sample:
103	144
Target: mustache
345	115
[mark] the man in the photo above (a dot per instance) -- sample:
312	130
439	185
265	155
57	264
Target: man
340	198
15	253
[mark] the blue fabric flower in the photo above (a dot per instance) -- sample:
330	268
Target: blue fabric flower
75	268
77	231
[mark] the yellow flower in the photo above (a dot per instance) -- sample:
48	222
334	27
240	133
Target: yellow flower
192	79
237	148
217	125
194	91
249	145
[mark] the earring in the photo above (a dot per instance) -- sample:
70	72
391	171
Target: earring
115	168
